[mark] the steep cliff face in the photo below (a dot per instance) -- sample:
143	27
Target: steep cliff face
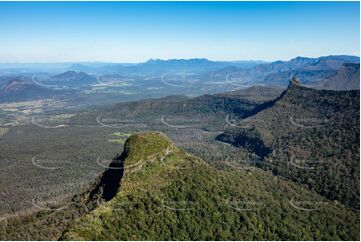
139	150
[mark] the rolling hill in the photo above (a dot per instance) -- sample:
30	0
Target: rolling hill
72	79
19	90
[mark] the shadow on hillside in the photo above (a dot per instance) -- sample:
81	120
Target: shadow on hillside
109	183
263	106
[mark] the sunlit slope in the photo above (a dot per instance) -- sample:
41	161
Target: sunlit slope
167	194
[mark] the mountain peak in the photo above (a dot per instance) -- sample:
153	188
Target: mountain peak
139	150
69	74
295	80
295	85
142	146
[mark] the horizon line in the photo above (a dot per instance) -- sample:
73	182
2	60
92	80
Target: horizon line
192	58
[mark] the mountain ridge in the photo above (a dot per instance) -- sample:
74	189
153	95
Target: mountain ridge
310	125
146	193
311	70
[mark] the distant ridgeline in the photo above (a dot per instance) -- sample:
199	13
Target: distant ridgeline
96	84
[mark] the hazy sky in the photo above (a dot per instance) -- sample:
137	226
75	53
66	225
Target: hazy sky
137	31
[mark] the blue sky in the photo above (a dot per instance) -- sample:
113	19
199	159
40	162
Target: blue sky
137	31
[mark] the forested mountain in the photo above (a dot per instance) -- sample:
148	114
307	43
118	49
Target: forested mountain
241	100
156	191
310	136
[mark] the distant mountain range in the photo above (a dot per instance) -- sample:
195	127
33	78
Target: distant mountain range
331	62
246	71
159	66
328	72
311	71
149	67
